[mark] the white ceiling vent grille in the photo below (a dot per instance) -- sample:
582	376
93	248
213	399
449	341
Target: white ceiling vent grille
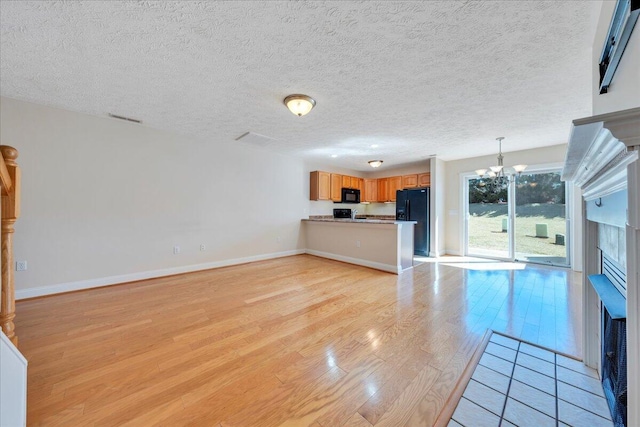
128	119
255	139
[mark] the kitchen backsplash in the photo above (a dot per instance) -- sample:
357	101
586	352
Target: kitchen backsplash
327	207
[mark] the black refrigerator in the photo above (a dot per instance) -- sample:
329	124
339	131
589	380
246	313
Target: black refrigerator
413	205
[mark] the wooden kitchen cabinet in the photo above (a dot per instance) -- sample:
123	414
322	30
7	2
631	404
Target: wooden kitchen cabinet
320	186
383	189
410	181
370	192
352	182
395	184
336	187
328	186
356	183
424	179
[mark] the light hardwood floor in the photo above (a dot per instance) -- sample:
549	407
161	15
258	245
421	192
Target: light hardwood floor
294	341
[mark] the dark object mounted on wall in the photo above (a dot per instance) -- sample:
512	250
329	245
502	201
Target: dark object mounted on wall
624	19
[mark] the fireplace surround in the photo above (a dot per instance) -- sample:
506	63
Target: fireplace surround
611	288
602	160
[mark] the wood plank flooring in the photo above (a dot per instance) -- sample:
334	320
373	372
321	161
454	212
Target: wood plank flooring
296	341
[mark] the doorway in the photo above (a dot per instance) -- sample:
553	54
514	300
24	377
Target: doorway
524	219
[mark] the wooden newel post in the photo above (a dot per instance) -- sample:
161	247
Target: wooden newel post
10	213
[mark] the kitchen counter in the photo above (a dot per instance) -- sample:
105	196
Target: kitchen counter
383	244
360	220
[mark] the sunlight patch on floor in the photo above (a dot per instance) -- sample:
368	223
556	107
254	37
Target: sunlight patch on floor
472	263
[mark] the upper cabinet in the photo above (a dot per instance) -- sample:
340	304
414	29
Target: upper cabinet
357	183
336	187
395	184
387	188
424	179
383	190
328	186
410	181
370	192
351	182
320	186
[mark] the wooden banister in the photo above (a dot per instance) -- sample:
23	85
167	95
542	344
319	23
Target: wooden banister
5	178
10	181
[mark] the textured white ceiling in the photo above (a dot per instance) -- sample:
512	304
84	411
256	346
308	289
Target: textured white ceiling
416	78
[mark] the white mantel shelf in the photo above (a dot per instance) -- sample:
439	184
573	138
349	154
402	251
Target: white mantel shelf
602	159
600	149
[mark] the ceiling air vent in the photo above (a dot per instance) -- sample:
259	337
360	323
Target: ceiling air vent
128	119
255	139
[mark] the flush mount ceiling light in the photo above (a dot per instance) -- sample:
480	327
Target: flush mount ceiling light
496	174
299	104
375	163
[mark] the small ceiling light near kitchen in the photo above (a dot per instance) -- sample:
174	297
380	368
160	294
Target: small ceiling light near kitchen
375	163
334	155
299	104
374	146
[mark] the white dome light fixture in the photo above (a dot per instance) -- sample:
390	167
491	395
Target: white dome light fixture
375	163
299	104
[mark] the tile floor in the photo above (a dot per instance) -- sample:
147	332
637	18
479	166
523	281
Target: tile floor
518	384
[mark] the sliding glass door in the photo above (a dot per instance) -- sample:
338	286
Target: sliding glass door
525	219
541	219
487	219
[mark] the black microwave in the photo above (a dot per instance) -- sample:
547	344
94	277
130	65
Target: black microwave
350	195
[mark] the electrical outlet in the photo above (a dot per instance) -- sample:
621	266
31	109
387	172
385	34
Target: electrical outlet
357	243
203	247
176	250
21	265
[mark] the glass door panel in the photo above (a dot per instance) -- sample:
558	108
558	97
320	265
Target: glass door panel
541	219
487	218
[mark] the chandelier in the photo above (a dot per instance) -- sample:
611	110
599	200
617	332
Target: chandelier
496	174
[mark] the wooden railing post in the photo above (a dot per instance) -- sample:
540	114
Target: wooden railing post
10	213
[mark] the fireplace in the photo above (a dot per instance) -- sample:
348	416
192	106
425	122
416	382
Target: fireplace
611	289
602	161
614	367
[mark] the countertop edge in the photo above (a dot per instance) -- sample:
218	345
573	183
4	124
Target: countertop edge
359	221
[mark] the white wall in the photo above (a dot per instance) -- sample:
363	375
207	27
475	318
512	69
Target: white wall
624	91
386	171
438	214
453	201
104	200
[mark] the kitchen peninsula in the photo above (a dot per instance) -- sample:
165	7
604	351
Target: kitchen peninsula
383	244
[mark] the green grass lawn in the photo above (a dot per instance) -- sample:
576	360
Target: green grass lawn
485	229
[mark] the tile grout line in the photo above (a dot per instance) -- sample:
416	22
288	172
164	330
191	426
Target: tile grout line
506	397
585	409
555	383
556	367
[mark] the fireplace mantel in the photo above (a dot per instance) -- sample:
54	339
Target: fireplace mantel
602	159
597	158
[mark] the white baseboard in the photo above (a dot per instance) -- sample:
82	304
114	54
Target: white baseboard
454	252
395	269
124	278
